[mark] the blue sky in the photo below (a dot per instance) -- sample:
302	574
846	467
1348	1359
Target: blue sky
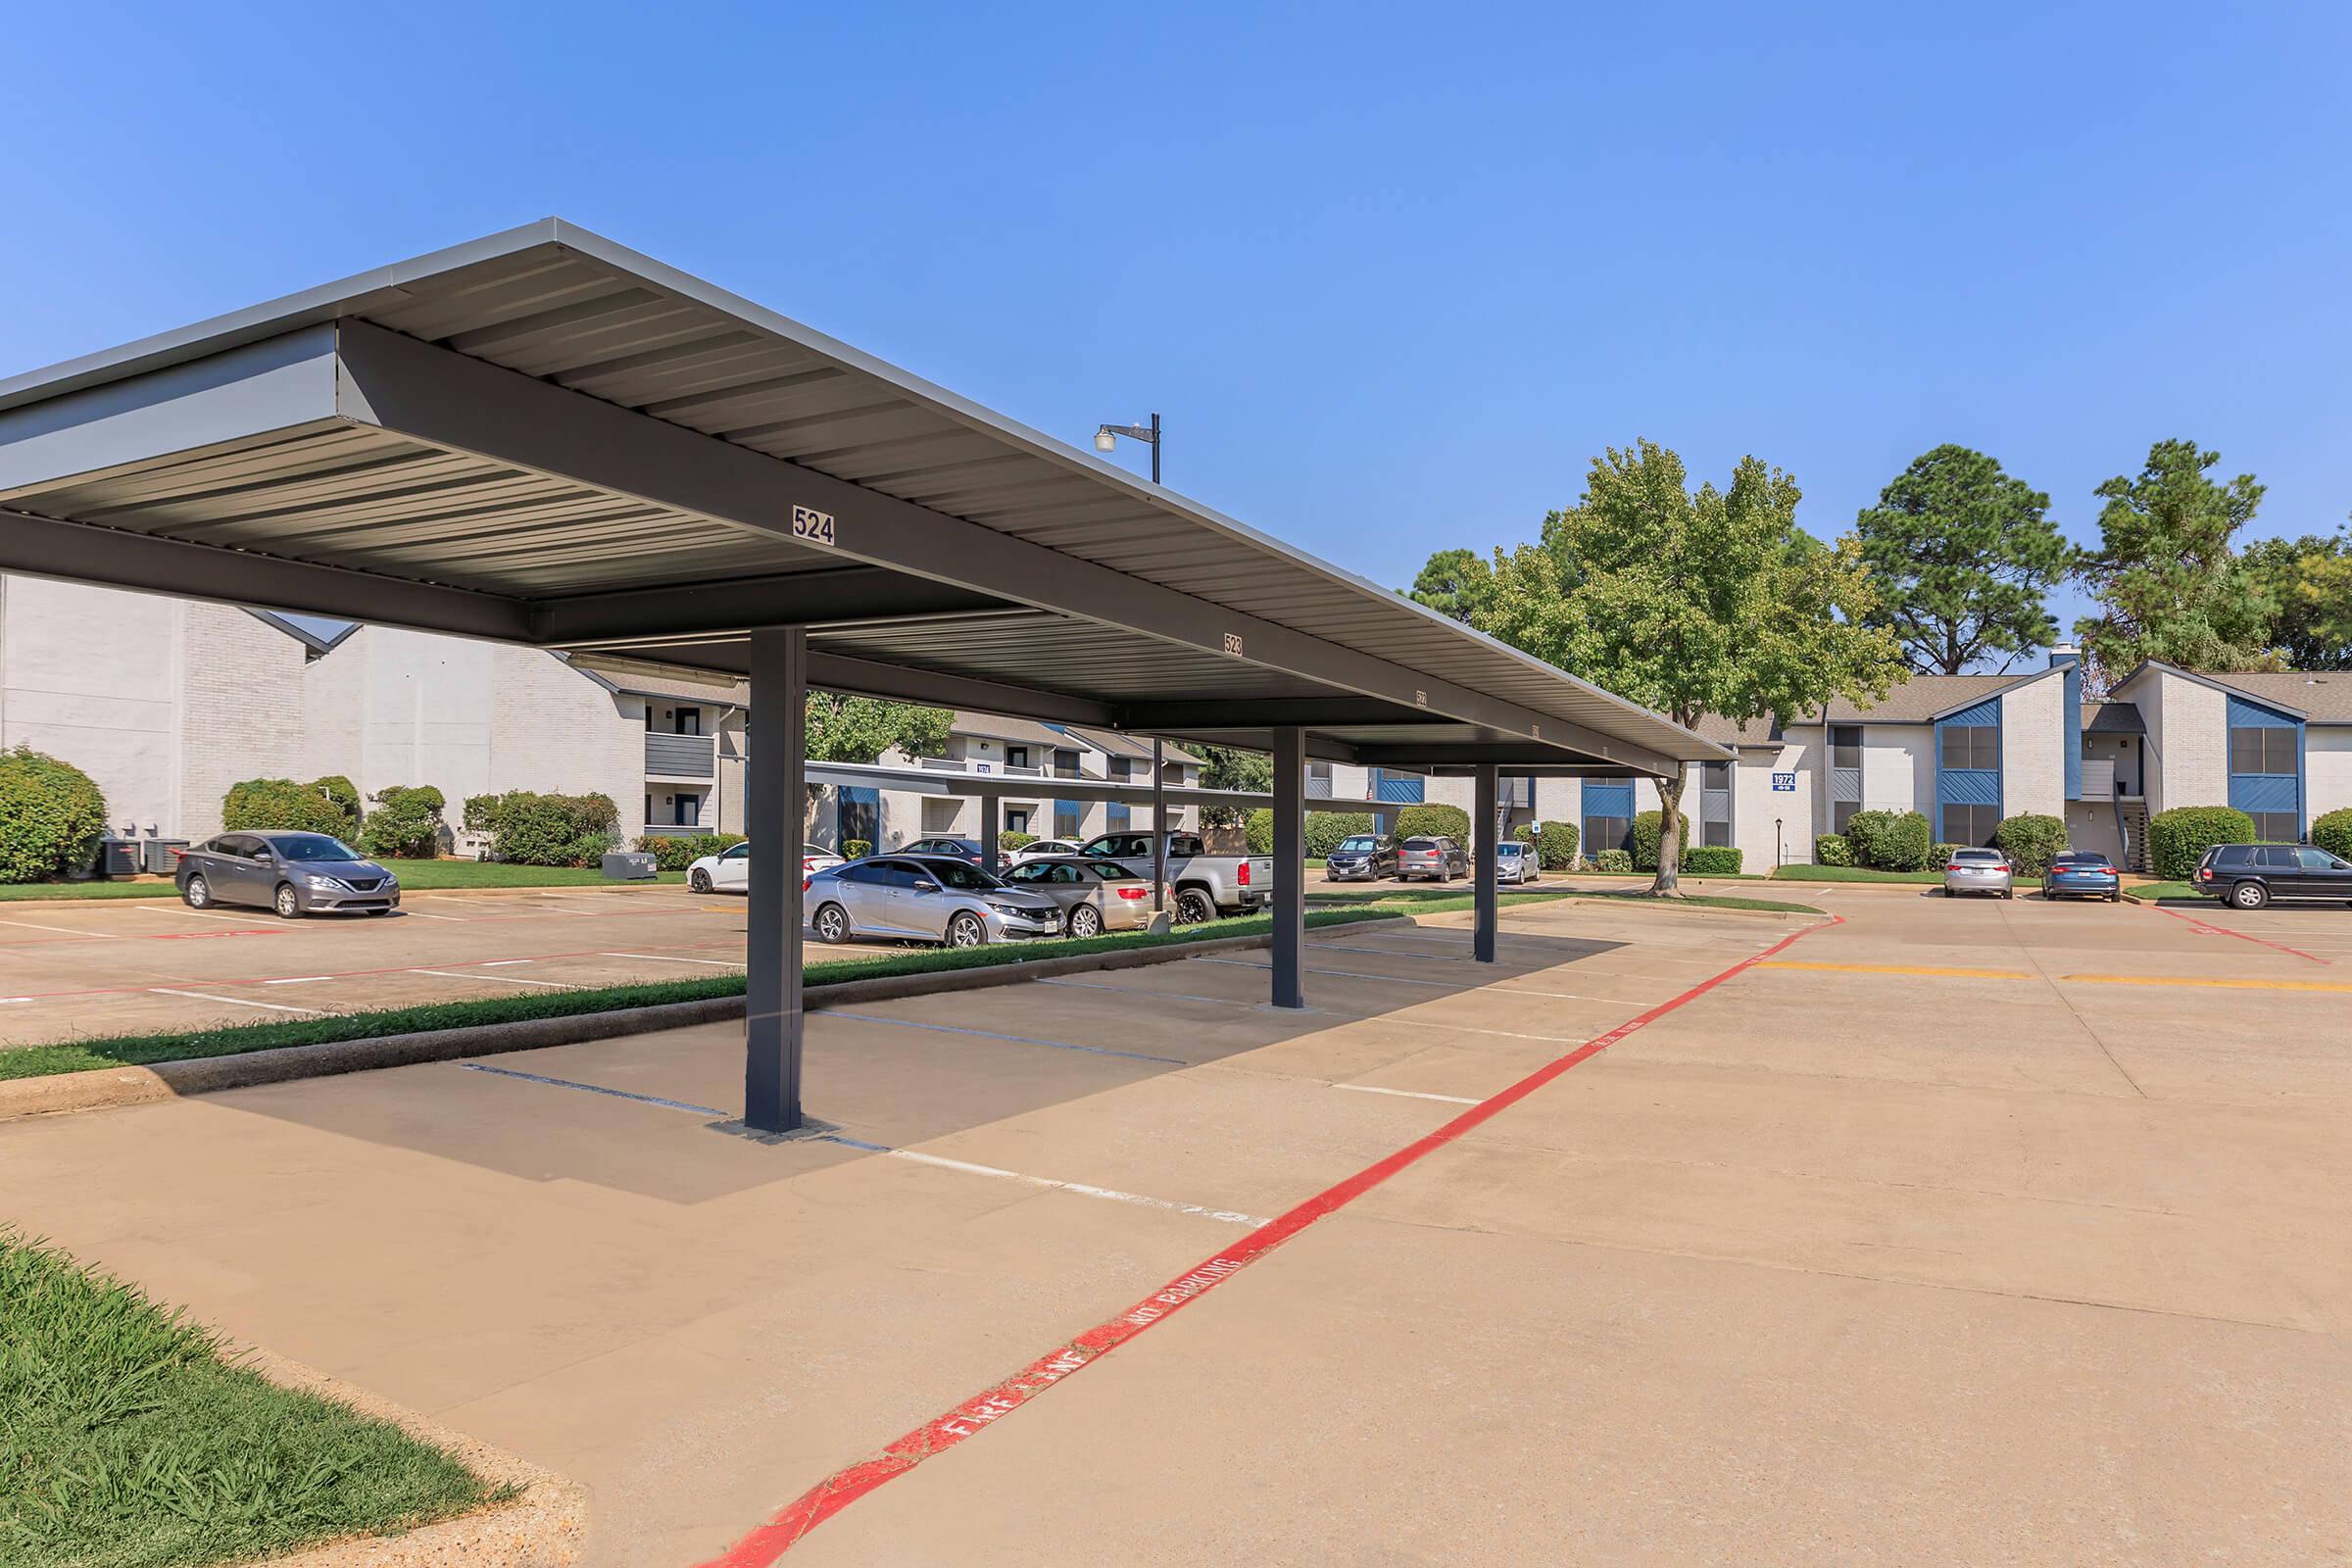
1391	275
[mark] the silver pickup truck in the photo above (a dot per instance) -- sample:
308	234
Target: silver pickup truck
1200	886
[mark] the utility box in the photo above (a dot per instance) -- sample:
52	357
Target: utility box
120	857
162	856
629	866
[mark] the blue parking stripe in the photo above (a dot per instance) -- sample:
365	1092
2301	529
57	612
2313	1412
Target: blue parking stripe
594	1089
1017	1040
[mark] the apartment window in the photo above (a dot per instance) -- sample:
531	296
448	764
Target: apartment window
1016	820
2262	749
1065	765
1120	769
1016	756
1608	833
2281	827
1841	813
1976	746
1845	746
690	721
1715	804
1971	824
685	809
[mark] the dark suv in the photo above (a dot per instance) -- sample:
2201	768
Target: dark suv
2251	875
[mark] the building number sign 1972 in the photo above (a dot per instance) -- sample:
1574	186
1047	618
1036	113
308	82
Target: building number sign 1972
812	526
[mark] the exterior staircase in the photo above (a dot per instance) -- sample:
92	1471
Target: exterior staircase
2131	816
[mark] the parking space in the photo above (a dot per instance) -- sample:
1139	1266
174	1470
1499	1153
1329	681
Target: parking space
1993	1222
129	965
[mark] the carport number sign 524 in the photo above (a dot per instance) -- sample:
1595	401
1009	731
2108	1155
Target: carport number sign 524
812	526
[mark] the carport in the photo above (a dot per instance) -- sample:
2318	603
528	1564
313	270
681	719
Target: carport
542	437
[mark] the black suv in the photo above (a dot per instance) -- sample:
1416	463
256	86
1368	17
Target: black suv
2251	875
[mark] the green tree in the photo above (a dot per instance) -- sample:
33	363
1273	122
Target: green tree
1713	602
2308	584
2168	583
1963	554
860	729
1453	583
1233	768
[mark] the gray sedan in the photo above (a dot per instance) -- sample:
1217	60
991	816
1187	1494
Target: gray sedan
1978	871
923	897
1435	857
293	873
1093	895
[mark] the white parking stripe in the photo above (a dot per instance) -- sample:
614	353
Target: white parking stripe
35	925
1081	1188
422	916
1363	1017
236	1002
663	958
1441	985
508	979
301	980
1408	1094
199	914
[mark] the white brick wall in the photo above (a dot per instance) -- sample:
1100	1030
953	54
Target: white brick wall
1898	768
1755	807
2033	748
242	706
2327	767
2193	755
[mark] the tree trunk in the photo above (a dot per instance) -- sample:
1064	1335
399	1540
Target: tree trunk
1669	880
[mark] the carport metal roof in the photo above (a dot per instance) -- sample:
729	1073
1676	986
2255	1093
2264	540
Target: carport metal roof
543	437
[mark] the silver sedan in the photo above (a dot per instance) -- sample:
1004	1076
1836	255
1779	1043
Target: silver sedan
1978	871
1093	895
923	897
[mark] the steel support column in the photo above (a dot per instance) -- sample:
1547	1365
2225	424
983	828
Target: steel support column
776	803
1160	814
992	817
1290	862
1486	838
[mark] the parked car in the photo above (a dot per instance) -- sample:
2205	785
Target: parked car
1433	856
1363	857
1516	862
1202	885
730	869
2251	875
293	873
1041	850
2083	874
1095	895
1978	871
960	848
923	897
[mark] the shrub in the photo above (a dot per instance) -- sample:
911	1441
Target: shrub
1324	830
1712	859
51	816
1648	828
676	851
1009	843
406	823
2031	842
1450	820
1832	849
1890	841
1940	856
1555	846
2332	832
532	829
280	805
856	849
2179	838
1614	860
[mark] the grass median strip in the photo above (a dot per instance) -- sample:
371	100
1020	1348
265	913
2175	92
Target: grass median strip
1440	901
416	876
134	1438
185	1045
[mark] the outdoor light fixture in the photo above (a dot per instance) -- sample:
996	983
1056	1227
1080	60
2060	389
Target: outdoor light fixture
1107	439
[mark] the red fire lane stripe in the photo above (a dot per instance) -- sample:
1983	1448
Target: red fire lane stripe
771	1541
2222	930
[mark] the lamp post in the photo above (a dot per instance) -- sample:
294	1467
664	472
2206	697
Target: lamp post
1107	439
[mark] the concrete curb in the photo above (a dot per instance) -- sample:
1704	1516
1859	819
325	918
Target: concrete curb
104	1088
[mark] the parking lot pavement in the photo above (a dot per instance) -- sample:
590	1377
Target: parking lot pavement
130	965
1952	1232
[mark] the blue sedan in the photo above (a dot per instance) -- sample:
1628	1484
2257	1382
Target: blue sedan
2083	874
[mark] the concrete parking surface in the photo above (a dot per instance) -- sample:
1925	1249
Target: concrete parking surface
1955	1232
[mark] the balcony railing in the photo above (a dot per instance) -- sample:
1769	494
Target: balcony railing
1318	788
2098	778
976	764
680	755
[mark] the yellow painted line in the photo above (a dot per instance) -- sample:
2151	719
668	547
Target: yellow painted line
2223	984
1898	969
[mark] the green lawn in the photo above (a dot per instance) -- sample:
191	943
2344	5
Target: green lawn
146	1050
1856	873
416	876
131	1439
2149	891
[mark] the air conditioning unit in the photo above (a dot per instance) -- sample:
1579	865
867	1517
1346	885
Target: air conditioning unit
162	856
120	857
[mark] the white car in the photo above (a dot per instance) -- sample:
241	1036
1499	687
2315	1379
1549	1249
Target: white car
1039	849
730	869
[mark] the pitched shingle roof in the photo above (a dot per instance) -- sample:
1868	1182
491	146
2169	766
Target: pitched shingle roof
2325	696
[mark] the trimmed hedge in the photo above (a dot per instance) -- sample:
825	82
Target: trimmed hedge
2031	842
859	848
1614	860
2179	838
1324	830
1450	821
1890	841
532	829
1555	846
281	805
1832	849
51	816
1940	856
406	824
2332	832
677	852
1014	842
1712	859
1648	828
